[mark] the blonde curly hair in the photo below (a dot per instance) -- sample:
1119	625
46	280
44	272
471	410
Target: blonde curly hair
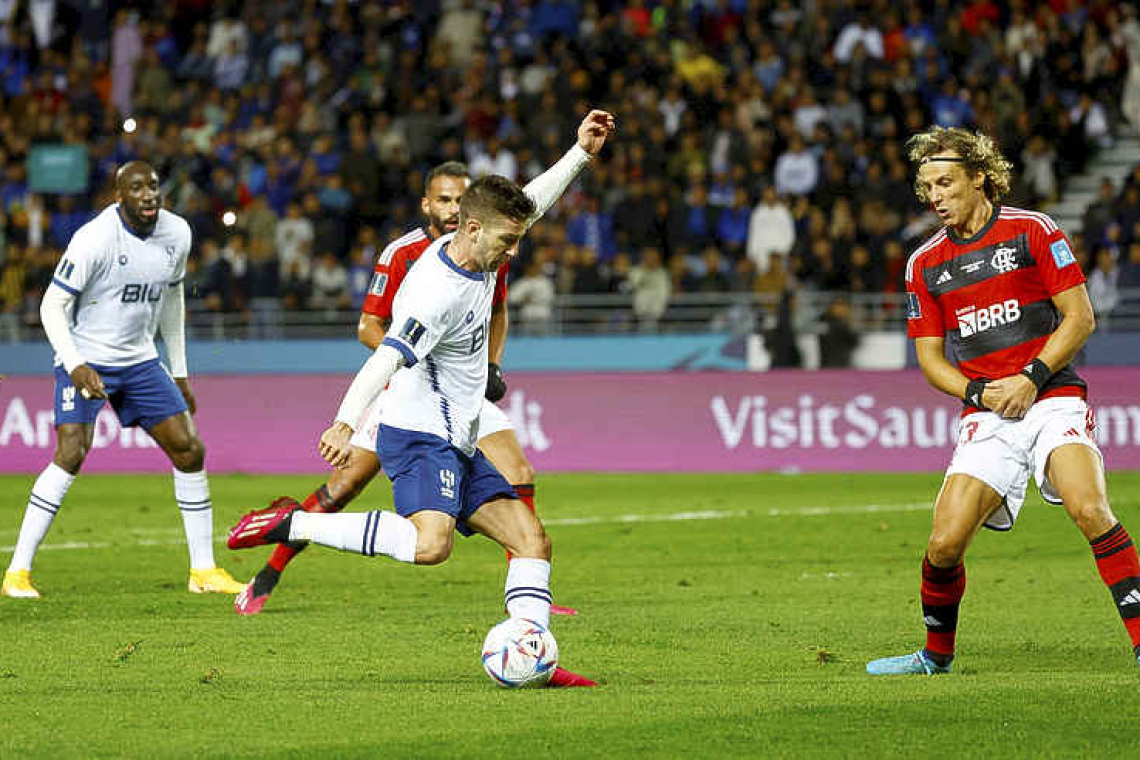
980	155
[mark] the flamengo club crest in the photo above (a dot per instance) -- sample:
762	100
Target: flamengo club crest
1003	259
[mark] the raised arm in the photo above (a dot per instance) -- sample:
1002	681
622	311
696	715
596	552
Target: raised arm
548	187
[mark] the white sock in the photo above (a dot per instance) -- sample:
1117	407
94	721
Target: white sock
528	589
43	502
192	493
367	533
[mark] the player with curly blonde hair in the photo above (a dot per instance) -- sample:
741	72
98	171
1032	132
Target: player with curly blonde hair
1001	285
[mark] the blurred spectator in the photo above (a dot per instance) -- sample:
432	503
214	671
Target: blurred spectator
1103	285
330	284
533	296
1037	170
839	340
649	282
771	229
12	288
797	169
1129	277
126	49
1101	211
262	289
781	339
594	229
733	224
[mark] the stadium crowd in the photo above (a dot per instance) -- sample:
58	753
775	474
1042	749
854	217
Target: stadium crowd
760	143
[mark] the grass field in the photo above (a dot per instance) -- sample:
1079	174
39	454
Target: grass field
725	615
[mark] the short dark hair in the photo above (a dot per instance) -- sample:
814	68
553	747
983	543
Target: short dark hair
456	169
495	194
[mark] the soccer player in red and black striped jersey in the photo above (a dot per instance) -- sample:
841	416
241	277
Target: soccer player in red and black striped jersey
443	187
1000	287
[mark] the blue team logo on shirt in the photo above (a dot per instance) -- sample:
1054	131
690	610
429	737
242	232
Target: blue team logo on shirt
1062	254
412	331
378	282
913	308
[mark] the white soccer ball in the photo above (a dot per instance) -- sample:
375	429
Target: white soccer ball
519	652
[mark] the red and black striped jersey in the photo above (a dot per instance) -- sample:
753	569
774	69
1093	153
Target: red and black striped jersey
990	296
392	266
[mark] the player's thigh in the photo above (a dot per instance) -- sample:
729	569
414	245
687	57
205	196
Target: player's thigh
509	523
506	454
962	507
149	396
1075	473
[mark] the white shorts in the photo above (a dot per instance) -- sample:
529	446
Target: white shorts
492	420
1003	453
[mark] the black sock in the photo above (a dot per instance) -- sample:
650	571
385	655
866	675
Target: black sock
265	581
941	660
280	532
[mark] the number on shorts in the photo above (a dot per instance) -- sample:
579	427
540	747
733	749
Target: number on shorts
971	428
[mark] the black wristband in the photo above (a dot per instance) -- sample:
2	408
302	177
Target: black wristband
1039	372
974	390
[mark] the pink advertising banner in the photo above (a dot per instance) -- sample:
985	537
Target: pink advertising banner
670	422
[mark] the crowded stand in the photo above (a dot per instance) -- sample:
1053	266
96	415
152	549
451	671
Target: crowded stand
761	144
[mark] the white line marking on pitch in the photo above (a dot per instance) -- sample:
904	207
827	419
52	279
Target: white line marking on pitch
710	514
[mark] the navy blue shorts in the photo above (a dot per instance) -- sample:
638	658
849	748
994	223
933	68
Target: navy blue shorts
141	394
427	472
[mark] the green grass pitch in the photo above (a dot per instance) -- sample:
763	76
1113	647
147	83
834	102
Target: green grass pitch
727	616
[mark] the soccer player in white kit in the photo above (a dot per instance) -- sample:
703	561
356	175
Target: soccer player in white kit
120	280
435	361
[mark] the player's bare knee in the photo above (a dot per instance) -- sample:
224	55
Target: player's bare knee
69	455
533	542
945	550
189	457
432	549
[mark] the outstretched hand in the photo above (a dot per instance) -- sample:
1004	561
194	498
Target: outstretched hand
594	129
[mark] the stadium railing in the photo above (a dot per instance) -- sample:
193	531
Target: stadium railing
607	314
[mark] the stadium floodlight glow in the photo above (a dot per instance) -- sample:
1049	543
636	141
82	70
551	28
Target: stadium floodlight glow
229	219
130	125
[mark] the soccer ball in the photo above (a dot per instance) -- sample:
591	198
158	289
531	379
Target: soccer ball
519	652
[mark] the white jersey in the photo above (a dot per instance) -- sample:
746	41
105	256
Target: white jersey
120	281
440	319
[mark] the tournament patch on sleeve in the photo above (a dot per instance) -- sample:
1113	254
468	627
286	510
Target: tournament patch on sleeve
1062	254
412	331
913	308
379	280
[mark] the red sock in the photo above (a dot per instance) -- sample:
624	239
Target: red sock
942	589
1120	570
526	495
319	500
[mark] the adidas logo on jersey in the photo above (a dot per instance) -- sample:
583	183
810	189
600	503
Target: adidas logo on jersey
972	320
944	278
1133	597
1072	433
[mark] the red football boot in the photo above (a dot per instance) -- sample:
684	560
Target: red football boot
564	679
557	609
263	526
